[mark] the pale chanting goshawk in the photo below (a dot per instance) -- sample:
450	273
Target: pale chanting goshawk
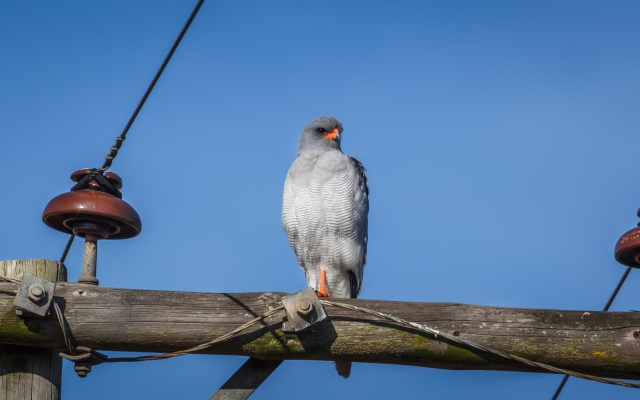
325	208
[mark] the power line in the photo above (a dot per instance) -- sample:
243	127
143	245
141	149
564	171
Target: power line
113	152
114	149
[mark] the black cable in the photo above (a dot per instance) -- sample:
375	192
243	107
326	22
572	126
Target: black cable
617	289
114	149
66	249
560	387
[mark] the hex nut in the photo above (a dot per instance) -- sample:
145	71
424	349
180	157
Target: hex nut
304	307
36	292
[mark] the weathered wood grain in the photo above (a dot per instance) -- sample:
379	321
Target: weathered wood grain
28	372
601	344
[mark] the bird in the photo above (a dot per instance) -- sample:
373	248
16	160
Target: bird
325	208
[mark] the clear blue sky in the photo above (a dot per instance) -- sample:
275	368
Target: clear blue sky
500	138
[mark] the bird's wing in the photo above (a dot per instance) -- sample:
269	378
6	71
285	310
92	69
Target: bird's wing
362	221
290	219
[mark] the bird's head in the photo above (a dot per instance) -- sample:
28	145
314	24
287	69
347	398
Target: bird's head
321	133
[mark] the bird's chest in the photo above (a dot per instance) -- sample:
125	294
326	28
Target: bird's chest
317	170
323	195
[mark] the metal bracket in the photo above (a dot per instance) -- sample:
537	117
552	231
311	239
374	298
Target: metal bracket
84	359
34	296
303	311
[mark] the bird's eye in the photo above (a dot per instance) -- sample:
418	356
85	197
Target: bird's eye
321	130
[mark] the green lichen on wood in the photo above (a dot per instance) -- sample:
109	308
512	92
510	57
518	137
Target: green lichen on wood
527	349
635	368
603	356
274	343
441	350
14	327
535	351
323	345
10	324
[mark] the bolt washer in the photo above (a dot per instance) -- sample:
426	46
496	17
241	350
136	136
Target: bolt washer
26	306
302	319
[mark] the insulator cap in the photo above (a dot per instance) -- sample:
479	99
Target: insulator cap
72	212
113	178
627	251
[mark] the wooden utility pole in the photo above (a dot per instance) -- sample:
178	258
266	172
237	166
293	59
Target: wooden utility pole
29	372
591	342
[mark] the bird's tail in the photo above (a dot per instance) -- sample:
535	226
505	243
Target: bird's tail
343	368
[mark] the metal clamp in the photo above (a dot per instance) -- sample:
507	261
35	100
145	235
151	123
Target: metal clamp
303	310
84	359
34	296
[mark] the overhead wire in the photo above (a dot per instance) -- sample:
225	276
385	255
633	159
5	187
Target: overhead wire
203	346
65	252
480	347
116	147
67	335
113	152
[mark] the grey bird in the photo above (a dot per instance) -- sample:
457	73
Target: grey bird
325	209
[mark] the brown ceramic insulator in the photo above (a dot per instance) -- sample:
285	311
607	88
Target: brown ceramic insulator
109	216
627	251
86	229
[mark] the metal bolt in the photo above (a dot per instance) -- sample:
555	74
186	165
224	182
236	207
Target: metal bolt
456	333
82	369
36	292
89	262
304	307
636	334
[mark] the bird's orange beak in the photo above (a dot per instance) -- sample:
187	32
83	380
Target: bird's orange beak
333	135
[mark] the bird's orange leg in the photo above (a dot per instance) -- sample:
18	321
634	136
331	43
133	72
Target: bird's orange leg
322	292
